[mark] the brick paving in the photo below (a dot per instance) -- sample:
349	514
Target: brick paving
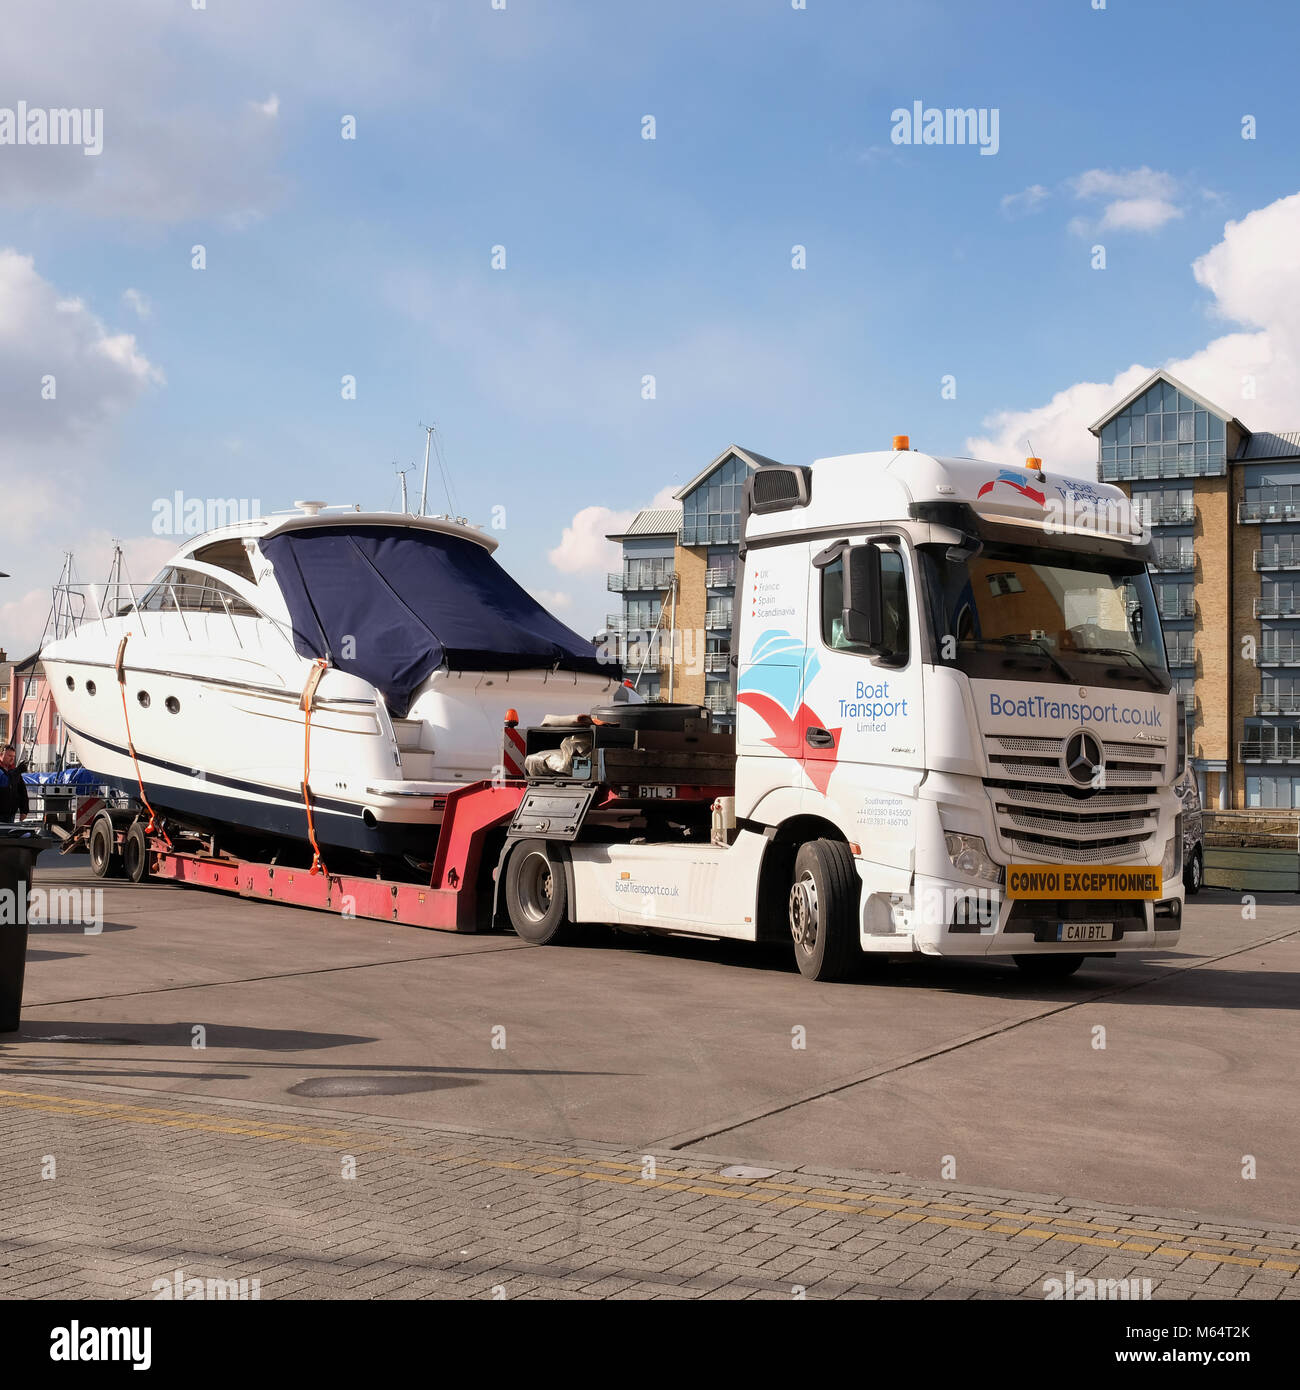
142	1188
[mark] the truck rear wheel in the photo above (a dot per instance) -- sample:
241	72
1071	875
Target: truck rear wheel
102	845
537	895
823	910
1048	967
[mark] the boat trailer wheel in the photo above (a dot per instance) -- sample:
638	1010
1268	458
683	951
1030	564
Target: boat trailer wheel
536	886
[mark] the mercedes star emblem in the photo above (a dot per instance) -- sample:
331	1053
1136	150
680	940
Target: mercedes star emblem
1083	758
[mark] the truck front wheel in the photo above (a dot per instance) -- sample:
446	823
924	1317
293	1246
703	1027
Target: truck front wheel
537	896
823	910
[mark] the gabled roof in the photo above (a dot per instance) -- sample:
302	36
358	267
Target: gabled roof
747	456
1144	387
1264	444
651	521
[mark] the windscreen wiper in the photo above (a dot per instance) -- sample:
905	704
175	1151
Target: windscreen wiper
1032	642
1157	683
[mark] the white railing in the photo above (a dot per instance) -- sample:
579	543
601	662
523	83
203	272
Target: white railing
1268	511
714	621
147	604
719	704
722	578
716	661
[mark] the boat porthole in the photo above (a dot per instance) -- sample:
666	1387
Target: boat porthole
70	683
143	697
90	687
173	704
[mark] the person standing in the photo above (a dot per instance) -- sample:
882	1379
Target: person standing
13	790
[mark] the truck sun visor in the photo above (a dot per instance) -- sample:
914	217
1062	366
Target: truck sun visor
392	604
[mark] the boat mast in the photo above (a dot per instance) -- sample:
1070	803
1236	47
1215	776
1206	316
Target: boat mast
424	486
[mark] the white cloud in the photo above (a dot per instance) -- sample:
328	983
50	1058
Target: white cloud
583	547
1254	275
1138	214
135	300
1028	200
270	107
554	599
1136	200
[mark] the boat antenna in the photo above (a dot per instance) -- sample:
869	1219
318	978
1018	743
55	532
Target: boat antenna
442	468
424	486
401	473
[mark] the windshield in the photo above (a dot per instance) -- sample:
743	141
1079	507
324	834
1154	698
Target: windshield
1068	618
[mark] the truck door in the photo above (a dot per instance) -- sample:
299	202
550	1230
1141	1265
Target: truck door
772	660
863	720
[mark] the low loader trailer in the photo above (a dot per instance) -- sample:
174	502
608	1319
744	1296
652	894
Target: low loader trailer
956	735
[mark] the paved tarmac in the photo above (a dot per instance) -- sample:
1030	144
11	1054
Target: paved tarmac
1153	1097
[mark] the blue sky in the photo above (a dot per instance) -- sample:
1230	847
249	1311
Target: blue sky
522	127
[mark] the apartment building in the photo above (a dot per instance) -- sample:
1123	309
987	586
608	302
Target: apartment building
1224	504
678	585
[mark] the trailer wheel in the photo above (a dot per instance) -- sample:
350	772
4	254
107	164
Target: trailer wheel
823	910
135	853
537	895
1048	968
104	859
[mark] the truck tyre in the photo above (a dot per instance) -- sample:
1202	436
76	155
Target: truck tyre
1194	873
537	895
135	853
823	912
1048	967
102	844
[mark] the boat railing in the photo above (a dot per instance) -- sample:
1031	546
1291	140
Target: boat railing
90	602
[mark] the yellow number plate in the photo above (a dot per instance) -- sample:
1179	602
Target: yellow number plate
1092	881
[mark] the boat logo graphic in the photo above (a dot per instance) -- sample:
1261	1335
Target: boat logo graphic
1015	480
773	684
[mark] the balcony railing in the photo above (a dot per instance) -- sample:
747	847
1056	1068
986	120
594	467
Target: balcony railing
615	622
1169	514
1269	750
1278	557
1167	561
1268	511
1278	702
1184	607
1278	606
716	662
714	621
724	578
1167	467
1181	653
727	534
1279	654
719	704
640	578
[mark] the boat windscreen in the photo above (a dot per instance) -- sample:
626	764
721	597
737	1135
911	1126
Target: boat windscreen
391	604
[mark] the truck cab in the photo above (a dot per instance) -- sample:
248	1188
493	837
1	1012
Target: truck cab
956	730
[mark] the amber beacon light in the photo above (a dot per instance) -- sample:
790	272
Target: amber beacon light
902	442
1035	464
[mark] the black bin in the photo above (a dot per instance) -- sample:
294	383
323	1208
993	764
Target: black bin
19	847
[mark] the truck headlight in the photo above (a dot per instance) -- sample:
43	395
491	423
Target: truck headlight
1171	866
969	856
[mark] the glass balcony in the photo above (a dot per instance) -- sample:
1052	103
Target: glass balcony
727	533
1268	511
615	622
723	578
1278	702
1281	605
1280	749
714	621
1181	653
1183	606
1278	557
1169	514
716	663
720	704
1173	561
1279	653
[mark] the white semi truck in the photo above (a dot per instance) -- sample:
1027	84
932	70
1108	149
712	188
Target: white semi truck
956	734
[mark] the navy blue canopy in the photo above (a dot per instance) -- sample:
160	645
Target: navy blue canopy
412	600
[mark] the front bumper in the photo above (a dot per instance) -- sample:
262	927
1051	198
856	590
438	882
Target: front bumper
950	918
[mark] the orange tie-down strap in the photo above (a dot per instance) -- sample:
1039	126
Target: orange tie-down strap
119	665
308	699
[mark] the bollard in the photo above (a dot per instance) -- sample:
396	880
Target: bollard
19	847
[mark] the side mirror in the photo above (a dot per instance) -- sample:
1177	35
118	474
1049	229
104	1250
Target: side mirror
1135	626
864	618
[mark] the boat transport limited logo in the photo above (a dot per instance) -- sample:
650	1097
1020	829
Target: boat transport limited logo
773	685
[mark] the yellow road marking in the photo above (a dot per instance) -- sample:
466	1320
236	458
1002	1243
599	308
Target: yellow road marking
630	1175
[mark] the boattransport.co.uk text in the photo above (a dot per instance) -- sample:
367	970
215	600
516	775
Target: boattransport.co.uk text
1040	707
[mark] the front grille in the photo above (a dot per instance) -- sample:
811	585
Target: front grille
1042	814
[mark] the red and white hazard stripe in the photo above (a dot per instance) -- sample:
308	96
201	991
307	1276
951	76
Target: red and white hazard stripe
512	756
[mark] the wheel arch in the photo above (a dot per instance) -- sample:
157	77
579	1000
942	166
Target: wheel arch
777	869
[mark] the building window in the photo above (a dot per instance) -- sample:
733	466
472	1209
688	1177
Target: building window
1163	434
711	514
650	574
1272	502
29	728
1281	792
